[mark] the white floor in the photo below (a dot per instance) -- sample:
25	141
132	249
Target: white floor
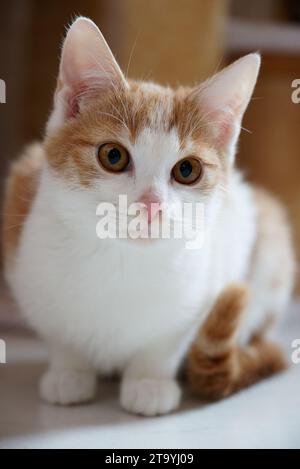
266	415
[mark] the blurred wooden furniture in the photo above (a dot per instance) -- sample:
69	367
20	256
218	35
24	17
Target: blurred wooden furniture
173	41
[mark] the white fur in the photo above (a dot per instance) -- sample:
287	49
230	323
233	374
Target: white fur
149	396
67	386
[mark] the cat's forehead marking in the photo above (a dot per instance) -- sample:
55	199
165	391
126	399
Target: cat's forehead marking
149	106
162	109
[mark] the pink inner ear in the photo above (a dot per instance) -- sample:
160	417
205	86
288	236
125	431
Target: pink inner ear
224	119
74	95
73	100
225	130
222	124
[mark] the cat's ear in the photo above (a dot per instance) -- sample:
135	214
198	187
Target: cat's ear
224	99
86	64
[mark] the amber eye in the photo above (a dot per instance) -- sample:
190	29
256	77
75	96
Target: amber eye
113	157
187	171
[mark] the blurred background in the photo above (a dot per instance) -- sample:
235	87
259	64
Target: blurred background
171	41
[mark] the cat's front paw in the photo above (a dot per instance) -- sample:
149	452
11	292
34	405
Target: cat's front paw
67	387
150	396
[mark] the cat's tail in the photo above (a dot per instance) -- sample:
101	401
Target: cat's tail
216	365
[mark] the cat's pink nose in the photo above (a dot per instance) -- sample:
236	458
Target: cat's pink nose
152	205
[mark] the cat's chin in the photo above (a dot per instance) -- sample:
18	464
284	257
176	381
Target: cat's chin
145	241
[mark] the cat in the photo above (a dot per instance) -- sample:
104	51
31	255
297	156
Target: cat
143	308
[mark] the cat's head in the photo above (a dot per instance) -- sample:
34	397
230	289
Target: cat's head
108	135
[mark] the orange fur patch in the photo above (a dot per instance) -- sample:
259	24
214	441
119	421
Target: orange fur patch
20	192
216	366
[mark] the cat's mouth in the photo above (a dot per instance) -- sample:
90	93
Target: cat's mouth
147	231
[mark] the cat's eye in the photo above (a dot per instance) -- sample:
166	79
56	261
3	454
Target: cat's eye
113	157
187	171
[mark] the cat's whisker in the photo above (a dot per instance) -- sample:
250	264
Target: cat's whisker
115	117
11	227
246	130
131	55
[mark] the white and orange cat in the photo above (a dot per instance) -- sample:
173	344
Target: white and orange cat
130	306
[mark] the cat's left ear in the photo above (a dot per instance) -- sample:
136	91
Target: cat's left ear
224	98
87	64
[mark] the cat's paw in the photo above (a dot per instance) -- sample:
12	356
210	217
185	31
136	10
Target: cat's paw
150	396
67	387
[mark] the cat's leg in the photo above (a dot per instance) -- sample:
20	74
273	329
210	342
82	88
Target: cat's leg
68	380
149	385
217	366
